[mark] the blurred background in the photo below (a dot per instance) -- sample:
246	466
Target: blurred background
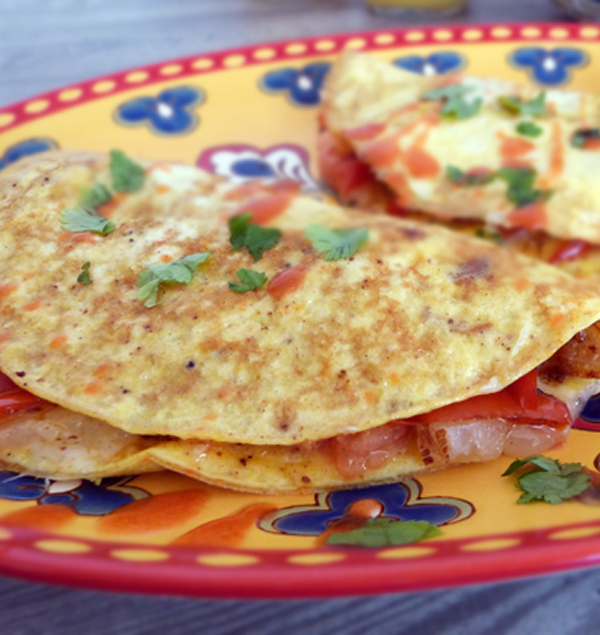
46	44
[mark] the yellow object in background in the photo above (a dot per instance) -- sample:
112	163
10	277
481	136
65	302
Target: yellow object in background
431	6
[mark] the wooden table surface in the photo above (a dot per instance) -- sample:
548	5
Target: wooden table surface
45	44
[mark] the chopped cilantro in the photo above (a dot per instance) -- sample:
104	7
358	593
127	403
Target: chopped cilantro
127	175
255	238
583	135
535	107
529	129
84	276
385	532
250	280
93	197
181	271
77	219
548	479
472	177
336	243
455	105
520	186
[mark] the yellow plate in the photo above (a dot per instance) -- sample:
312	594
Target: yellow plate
250	113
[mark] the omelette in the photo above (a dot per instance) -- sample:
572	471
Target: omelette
260	340
459	147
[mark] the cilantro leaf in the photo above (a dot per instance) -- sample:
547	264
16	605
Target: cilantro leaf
385	532
250	280
180	271
77	219
336	243
520	186
84	276
255	238
535	107
238	227
549	480
455	105
472	177
93	197
529	129
127	175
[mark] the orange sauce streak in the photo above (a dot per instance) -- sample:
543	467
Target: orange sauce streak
557	152
532	217
267	208
514	147
382	153
244	190
355	518
394	378
29	276
420	163
85	237
225	532
400	186
166	258
155	514
40	517
364	133
163	189
57	342
7	289
286	281
93	388
108	209
557	319
32	306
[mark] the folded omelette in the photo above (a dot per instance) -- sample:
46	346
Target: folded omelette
269	342
462	147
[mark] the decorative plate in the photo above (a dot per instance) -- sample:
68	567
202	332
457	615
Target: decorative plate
249	113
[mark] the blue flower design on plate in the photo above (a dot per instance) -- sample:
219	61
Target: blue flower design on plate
400	501
434	64
303	85
241	163
26	148
84	497
171	112
551	67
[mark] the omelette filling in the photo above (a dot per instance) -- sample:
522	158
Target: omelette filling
530	416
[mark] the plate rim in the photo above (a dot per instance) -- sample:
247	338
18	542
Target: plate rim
350	577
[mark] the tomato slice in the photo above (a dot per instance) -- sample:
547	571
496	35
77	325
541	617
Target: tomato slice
340	167
13	398
6	383
516	403
570	251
